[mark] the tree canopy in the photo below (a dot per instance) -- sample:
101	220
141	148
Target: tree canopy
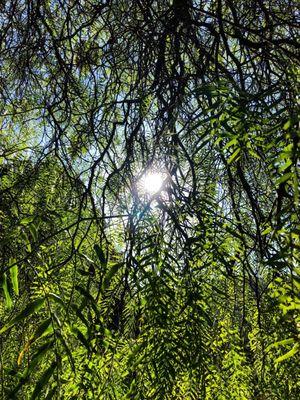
189	289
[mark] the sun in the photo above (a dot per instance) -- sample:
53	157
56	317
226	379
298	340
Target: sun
152	182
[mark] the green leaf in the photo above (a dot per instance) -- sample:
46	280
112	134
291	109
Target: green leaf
234	156
33	232
80	336
39	353
43	380
68	351
42	329
284	178
289	354
287	164
56	298
284	342
100	254
287	125
51	393
84	293
267	230
80	315
26	221
30	309
14	271
231	143
88	297
8	299
110	274
24	236
87	258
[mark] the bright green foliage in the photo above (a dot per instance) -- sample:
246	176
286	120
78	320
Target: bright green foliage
108	291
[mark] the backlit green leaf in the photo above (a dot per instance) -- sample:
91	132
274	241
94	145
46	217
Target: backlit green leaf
14	271
8	299
289	354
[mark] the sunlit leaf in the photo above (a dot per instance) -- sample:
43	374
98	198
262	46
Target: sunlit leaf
289	354
234	156
14	271
8	299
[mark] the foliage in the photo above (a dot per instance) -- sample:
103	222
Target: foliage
109	292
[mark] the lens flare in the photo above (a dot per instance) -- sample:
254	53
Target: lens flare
152	182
